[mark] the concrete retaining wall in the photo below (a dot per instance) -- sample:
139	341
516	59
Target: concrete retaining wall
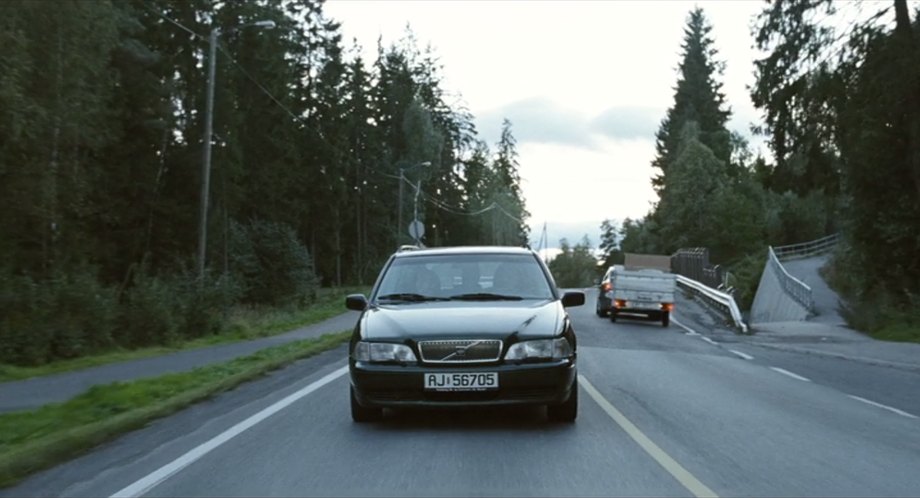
772	303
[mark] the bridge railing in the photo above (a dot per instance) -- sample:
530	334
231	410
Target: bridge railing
795	288
806	249
722	301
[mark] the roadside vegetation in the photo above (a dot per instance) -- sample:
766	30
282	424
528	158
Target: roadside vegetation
576	266
102	108
239	323
876	314
841	103
37	439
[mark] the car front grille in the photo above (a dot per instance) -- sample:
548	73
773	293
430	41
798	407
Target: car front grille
460	351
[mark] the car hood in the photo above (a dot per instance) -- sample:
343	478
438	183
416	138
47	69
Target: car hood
437	320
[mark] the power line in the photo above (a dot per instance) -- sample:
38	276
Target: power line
264	90
173	21
239	66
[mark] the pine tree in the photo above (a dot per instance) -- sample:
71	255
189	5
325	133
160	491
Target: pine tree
509	218
698	97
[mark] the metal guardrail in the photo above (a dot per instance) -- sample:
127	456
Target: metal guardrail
693	262
795	288
806	249
725	302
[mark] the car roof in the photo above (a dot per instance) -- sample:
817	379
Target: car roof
434	251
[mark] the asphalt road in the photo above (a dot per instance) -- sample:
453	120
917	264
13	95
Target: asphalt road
664	412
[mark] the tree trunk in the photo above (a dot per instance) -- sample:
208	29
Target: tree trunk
911	87
51	226
338	246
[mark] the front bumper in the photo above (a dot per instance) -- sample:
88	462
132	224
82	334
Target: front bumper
403	386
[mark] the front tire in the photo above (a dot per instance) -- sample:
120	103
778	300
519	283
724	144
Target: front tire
567	411
613	315
598	310
363	414
665	319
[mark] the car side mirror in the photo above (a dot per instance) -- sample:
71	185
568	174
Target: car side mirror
576	298
356	302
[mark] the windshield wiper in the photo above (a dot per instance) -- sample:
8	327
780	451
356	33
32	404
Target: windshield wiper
410	297
485	296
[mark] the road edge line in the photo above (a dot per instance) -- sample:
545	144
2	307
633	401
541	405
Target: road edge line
743	356
688	329
677	471
790	374
884	407
151	480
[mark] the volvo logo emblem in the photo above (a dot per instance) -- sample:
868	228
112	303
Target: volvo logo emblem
460	351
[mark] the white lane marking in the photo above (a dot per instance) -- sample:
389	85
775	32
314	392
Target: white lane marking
156	477
884	407
790	374
710	341
676	470
742	355
688	329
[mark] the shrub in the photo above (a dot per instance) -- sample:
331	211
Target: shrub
745	277
149	312
62	317
204	304
82	315
23	341
274	266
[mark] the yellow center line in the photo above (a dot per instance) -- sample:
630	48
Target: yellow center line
682	475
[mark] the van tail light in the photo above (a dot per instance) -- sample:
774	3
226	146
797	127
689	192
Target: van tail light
619	303
667	306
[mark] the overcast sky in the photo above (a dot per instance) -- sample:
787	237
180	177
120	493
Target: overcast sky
585	85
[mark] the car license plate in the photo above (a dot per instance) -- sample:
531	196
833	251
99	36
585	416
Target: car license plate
479	381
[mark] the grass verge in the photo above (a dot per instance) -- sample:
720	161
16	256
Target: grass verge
241	324
37	439
878	314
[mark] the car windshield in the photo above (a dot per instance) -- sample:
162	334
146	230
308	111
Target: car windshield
480	277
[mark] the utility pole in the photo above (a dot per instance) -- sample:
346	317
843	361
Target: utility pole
418	186
206	163
402	179
208	132
399	224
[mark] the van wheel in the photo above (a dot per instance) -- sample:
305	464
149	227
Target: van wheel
613	315
665	319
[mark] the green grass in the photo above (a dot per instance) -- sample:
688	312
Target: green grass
897	331
878	314
241	324
37	439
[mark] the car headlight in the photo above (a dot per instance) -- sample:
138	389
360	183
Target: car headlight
544	349
383	352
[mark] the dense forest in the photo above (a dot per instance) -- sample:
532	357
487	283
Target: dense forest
839	86
103	109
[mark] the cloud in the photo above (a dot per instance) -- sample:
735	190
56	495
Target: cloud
538	120
628	122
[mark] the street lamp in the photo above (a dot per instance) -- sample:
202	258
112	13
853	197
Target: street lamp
208	131
402	179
